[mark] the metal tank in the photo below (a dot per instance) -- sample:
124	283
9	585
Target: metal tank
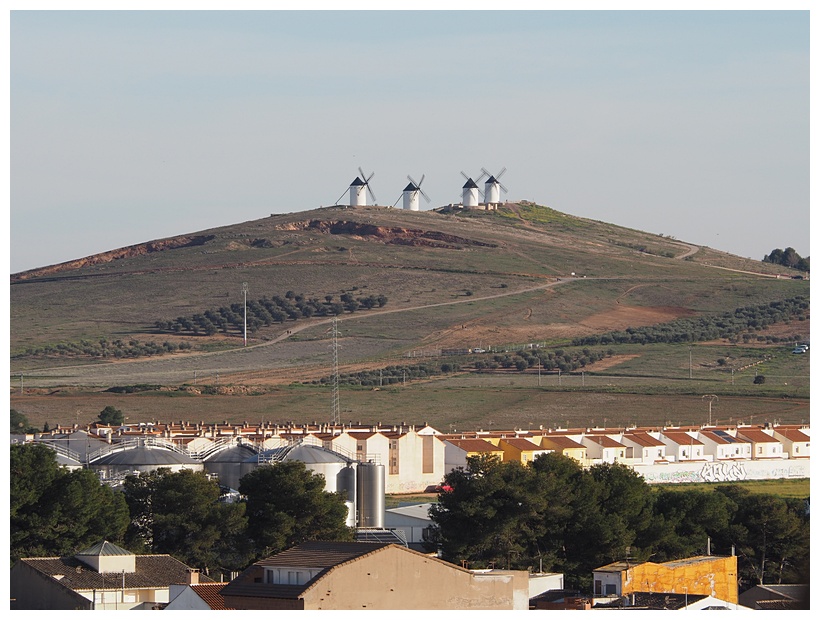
346	485
226	464
370	494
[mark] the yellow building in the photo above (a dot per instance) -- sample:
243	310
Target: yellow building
520	449
710	575
564	445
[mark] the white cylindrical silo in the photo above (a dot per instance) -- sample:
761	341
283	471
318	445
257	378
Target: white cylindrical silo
411	197
358	193
469	194
370	494
492	193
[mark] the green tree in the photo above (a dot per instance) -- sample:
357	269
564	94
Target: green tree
20	423
491	515
178	513
55	511
769	535
287	504
111	416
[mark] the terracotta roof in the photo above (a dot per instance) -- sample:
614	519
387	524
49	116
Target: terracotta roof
520	443
211	594
562	441
792	434
756	436
605	440
643	439
152	571
682	439
474	445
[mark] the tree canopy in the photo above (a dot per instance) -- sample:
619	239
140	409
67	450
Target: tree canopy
55	511
287	504
178	513
111	416
556	515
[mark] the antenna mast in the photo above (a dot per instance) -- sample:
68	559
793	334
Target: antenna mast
334	411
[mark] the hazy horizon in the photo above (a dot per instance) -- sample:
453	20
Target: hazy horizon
130	126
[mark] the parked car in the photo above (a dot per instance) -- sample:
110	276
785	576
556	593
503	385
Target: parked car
799	350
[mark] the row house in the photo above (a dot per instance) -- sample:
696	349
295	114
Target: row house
604	449
795	442
764	444
643	448
457	451
722	446
683	446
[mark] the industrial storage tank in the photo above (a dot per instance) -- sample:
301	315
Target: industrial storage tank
339	472
370	494
227	464
142	459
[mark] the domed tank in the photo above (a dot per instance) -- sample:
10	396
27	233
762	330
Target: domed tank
227	464
143	459
370	494
339	472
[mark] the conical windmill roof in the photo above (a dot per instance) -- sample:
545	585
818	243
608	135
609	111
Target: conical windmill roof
470	184
492	179
357	181
411	187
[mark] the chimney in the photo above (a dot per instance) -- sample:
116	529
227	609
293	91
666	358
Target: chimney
193	576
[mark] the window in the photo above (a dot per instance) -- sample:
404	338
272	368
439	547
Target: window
611	589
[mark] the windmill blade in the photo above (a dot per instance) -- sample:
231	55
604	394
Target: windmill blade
426	197
362	176
464	175
420	182
409	178
397	199
486	173
370	191
501	185
498	176
340	197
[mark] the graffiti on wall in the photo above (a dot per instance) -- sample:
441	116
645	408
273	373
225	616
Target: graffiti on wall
723	472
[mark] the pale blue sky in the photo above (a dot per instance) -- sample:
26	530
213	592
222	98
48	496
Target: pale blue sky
132	126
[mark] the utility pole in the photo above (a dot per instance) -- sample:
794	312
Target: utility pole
245	299
711	397
690	362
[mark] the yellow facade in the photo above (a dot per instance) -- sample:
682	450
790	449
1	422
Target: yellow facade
708	575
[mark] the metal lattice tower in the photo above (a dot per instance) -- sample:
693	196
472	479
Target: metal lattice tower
334	410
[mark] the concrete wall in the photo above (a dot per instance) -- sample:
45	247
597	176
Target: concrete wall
396	578
725	471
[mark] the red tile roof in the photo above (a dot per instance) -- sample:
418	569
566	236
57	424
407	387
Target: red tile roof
474	445
211	594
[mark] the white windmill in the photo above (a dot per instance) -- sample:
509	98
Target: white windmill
359	189
411	194
492	195
470	192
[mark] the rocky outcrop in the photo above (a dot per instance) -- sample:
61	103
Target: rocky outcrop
386	234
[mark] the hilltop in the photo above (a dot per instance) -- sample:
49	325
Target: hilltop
524	275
